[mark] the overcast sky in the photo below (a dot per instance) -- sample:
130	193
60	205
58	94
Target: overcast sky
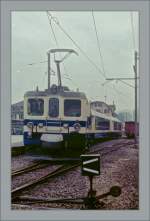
32	36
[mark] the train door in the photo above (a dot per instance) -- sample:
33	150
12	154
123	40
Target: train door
53	121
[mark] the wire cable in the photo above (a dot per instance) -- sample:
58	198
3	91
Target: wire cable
98	43
55	39
127	83
81	50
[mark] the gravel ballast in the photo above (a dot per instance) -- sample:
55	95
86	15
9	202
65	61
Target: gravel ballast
117	168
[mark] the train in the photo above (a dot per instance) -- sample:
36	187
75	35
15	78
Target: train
61	119
130	129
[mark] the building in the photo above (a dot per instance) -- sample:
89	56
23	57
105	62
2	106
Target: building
17	111
104	108
17	118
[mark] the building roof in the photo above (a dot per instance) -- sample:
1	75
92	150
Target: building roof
18	104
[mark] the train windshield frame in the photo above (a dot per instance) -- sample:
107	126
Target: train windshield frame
35	106
53	107
72	108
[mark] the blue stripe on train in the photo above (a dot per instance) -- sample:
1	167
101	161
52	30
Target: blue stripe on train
54	122
100	135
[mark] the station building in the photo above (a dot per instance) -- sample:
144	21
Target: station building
17	118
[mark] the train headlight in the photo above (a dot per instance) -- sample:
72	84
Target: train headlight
40	125
77	127
29	134
66	126
30	124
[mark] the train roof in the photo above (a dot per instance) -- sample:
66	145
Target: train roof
60	92
98	114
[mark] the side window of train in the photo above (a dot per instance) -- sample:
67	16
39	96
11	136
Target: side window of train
102	124
117	126
53	107
72	108
35	107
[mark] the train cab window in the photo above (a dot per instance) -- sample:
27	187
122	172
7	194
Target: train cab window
101	124
35	107
72	108
53	107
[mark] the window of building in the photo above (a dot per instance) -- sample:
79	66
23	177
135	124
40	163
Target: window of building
72	108
53	107
35	107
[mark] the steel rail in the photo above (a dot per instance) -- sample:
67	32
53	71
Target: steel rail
119	145
60	170
29	169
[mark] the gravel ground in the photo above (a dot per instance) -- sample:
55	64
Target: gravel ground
19	162
31	176
117	168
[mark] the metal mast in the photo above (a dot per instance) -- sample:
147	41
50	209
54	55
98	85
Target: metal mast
135	71
49	70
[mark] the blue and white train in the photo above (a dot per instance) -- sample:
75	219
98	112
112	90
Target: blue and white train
62	118
59	118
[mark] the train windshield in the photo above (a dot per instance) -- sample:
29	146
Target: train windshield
72	108
35	107
101	124
53	107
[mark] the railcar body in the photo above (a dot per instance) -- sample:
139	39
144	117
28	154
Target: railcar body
56	117
130	129
103	127
62	119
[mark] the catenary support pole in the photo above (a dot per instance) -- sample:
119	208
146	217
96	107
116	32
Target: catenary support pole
135	71
49	72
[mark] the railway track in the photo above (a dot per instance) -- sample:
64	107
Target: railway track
29	168
59	171
106	150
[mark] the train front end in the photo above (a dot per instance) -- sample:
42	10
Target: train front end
55	119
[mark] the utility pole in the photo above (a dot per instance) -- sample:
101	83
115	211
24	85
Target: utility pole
135	71
49	70
135	78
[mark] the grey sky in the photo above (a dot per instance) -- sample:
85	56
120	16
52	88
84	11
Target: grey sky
32	37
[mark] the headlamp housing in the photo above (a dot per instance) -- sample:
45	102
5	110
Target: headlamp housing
30	125
77	127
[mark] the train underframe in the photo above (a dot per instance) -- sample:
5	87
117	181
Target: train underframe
71	144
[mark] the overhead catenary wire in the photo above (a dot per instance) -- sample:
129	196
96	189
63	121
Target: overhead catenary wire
55	39
66	75
76	44
98	43
120	94
127	84
80	49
